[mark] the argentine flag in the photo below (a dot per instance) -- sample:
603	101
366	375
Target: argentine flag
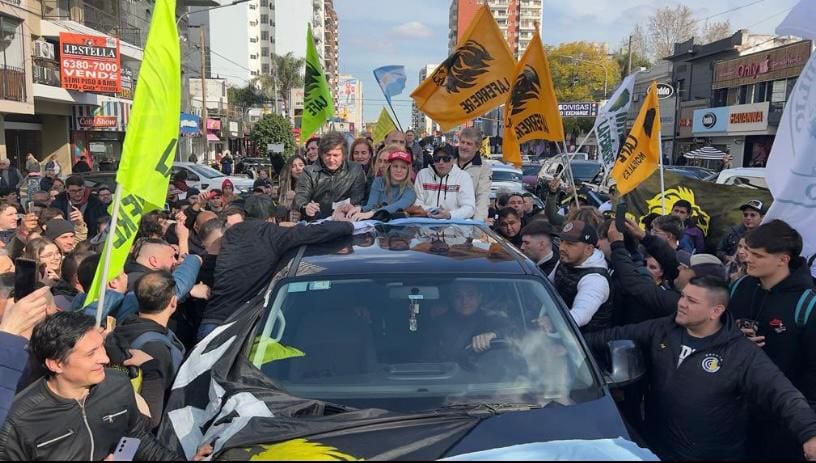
391	80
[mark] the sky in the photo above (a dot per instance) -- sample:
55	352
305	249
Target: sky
414	33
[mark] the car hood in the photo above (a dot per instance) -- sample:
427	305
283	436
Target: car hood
595	419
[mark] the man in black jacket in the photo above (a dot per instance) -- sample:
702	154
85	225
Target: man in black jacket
331	180
77	195
537	244
80	410
703	373
775	300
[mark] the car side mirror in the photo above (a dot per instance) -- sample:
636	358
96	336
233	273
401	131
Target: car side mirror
626	363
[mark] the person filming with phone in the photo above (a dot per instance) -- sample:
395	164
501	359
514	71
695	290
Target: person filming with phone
444	190
79	205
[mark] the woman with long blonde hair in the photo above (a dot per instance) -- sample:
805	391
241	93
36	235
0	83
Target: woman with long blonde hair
392	191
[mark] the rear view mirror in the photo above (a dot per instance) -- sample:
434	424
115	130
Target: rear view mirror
626	363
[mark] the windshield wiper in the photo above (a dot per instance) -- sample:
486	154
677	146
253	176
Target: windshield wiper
496	408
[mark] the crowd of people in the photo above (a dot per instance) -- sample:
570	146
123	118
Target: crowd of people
726	328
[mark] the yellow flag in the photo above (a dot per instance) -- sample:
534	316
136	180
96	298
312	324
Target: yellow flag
640	153
385	125
531	112
473	80
150	143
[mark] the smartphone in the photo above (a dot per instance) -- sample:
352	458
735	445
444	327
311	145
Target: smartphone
25	277
620	216
126	449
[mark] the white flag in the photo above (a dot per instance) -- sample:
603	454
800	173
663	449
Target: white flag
791	168
801	21
610	125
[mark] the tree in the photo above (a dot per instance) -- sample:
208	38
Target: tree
274	128
287	73
640	52
669	26
244	97
711	32
578	72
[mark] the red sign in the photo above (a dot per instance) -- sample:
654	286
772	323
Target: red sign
213	124
97	122
90	63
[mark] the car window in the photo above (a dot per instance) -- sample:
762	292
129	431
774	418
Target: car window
748	182
506	176
205	171
530	170
406	343
585	171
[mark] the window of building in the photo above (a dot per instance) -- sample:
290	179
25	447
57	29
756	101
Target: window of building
791	84
745	94
264	35
761	92
12	60
253	56
265	52
264	69
719	98
264	3
264	18
779	90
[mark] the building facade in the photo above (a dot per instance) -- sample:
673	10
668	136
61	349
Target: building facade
349	105
516	19
422	124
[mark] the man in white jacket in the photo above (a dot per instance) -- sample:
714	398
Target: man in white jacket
443	189
480	173
581	277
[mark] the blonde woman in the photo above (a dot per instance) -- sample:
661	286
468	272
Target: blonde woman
393	190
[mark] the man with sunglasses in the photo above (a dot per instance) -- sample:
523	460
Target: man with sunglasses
752	213
444	190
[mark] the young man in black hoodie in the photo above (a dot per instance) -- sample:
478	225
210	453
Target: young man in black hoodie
775	300
702	374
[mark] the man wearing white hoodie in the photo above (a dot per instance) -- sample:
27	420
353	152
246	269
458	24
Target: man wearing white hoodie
444	190
581	277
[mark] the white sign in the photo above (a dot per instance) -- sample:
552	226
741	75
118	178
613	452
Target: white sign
664	91
748	117
274	147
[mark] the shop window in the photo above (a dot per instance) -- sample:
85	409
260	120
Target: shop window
761	92
12	60
779	91
791	84
719	98
745	94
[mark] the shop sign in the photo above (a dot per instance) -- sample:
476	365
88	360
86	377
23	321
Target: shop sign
96	122
778	63
710	120
213	124
732	119
90	63
578	109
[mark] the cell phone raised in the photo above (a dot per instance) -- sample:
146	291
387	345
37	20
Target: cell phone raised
126	449
620	216
25	277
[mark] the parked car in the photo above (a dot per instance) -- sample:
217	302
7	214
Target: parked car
748	177
582	171
205	178
393	337
693	172
506	179
530	175
94	180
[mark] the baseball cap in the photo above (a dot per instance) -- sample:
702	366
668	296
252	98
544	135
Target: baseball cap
579	232
754	204
582	197
399	156
539	227
704	265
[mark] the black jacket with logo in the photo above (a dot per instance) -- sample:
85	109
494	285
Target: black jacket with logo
790	345
320	185
43	426
644	300
699	410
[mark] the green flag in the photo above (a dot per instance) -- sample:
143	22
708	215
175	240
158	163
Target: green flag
150	142
317	100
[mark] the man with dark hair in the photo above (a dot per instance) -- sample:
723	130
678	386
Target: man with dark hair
160	255
105	195
670	229
77	389
508	225
412	145
752	213
443	189
776	299
331	181
68	287
703	373
78	197
81	166
233	215
148	332
537	244
692	234
311	153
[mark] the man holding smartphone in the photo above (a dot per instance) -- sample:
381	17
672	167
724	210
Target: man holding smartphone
444	190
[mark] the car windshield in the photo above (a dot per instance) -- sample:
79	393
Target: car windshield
205	171
506	176
406	343
585	172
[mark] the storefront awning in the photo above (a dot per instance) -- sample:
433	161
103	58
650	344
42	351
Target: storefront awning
212	138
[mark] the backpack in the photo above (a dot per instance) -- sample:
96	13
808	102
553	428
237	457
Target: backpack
805	306
169	340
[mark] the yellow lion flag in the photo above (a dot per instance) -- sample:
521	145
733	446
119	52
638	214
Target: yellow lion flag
640	153
473	80
531	112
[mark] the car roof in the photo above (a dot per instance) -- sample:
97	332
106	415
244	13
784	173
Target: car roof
416	246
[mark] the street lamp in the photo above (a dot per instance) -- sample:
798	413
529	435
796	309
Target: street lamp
234	2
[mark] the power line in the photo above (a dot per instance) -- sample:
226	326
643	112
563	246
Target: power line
770	17
728	11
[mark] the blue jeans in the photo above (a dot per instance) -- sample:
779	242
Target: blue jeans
204	329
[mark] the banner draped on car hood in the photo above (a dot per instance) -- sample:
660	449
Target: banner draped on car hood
218	397
715	207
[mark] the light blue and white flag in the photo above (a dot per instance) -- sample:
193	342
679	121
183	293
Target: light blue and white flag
391	79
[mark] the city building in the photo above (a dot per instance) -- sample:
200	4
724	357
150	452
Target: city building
661	73
349	105
693	76
516	19
422	124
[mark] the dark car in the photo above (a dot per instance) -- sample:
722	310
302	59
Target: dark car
530	175
95	180
385	320
583	171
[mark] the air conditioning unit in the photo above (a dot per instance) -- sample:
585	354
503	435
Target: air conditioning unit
43	49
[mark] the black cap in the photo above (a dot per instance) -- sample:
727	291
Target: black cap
579	232
754	204
539	227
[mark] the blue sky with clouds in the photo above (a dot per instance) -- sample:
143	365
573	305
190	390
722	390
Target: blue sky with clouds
413	33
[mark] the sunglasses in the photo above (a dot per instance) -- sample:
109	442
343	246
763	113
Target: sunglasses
442	158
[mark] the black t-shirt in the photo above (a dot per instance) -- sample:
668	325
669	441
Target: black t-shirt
691	344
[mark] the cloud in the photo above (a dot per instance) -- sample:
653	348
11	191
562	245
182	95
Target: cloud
413	30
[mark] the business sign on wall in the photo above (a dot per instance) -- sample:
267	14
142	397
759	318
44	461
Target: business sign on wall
732	119
774	64
579	109
90	63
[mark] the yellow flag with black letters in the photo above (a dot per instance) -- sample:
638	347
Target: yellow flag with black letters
473	80
639	155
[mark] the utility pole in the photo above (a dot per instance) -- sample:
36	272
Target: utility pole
204	93
629	64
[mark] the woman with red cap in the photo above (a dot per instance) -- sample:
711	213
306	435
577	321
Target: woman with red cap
393	190
228	191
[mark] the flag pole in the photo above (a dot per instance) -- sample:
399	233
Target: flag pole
106	257
662	181
395	115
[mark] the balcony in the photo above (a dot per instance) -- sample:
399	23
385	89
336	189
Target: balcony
46	71
12	83
106	21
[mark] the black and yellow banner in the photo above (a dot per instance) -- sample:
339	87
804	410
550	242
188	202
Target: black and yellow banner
639	155
473	80
715	207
